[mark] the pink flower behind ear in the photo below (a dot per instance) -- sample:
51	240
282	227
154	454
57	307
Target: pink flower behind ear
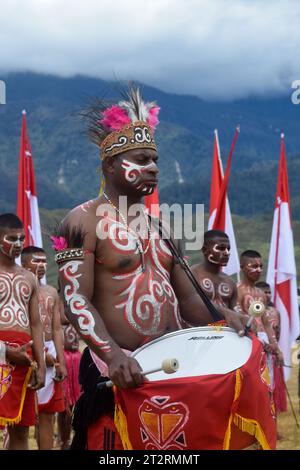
152	118
114	118
59	243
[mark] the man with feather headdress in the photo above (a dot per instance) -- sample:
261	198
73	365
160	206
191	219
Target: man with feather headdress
121	284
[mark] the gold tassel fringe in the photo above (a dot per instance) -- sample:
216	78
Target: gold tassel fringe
121	426
250	426
237	391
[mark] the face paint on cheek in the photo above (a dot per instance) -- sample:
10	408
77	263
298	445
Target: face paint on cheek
254	269
215	257
39	261
133	173
8	246
38	265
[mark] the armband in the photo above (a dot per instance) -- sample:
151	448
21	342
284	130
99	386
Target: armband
70	254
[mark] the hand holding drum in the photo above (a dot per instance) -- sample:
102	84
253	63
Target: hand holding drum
169	366
255	310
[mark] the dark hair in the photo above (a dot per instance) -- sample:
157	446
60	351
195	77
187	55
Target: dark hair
29	250
10	221
211	234
262	285
250	254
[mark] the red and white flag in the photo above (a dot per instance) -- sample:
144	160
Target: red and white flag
281	273
223	221
152	203
27	206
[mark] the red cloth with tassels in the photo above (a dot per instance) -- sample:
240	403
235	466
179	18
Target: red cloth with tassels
212	412
17	401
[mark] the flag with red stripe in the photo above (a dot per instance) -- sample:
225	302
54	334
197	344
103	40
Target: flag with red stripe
224	221
27	206
281	273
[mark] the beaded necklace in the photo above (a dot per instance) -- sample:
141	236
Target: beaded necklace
139	243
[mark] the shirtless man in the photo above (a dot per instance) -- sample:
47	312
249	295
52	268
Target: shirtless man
219	287
125	289
50	398
20	326
251	266
279	391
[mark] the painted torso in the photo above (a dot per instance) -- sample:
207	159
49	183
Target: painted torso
46	308
274	320
15	294
246	295
219	288
132	299
132	292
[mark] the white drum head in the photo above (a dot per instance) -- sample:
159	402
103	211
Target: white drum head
199	351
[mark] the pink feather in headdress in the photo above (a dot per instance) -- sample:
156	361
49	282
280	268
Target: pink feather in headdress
59	243
115	118
152	119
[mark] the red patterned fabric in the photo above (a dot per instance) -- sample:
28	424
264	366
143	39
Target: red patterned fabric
17	401
206	412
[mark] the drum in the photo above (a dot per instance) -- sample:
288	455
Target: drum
199	351
210	402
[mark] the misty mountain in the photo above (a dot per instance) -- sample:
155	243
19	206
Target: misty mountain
67	165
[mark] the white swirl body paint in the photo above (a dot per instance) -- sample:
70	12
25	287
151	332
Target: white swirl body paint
78	305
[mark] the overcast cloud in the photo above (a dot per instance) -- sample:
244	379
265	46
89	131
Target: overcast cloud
211	48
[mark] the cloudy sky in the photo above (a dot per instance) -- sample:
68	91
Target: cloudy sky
212	48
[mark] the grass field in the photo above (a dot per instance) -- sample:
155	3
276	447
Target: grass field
287	427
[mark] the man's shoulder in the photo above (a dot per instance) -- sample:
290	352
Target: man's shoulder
240	288
28	275
79	223
272	310
49	290
197	268
17	271
84	211
225	278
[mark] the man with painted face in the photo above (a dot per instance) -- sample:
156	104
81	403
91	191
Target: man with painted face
50	397
279	392
20	331
121	284
251	266
219	287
